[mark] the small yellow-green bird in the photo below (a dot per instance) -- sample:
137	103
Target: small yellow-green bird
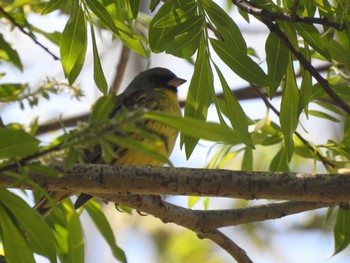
154	89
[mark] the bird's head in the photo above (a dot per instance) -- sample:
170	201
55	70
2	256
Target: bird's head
156	78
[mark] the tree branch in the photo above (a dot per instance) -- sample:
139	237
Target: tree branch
104	179
14	22
247	7
123	60
293	17
178	215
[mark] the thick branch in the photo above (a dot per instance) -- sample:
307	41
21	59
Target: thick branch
180	216
208	220
104	179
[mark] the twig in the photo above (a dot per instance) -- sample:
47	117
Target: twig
227	244
245	5
13	21
123	60
273	16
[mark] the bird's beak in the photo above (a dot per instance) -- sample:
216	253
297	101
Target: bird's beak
176	82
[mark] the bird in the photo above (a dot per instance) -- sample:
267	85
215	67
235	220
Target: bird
152	89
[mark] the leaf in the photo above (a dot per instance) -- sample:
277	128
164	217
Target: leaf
133	6
289	110
141	147
9	54
199	95
117	27
102	108
15	246
313	37
101	12
39	236
75	239
279	163
341	231
99	76
199	129
73	43
339	53
53	5
16	143
306	85
323	115
192	200
101	222
42	169
153	4
185	44
247	162
176	17
241	64
177	30
277	56
235	112
227	28
11	91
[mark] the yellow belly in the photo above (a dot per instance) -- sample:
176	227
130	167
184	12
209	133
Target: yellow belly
164	143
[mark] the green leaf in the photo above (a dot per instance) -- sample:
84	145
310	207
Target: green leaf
102	108
172	20
289	110
15	246
99	76
339	53
10	91
73	43
133	6
184	44
241	64
153	4
192	200
101	12
9	54
279	163
199	95
43	169
199	129
247	162
117	27
341	231
16	143
39	236
277	56
75	239
235	112
53	5
226	26
313	37
306	85
101	222
323	115
141	147
176	17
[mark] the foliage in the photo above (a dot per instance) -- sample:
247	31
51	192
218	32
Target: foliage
201	30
